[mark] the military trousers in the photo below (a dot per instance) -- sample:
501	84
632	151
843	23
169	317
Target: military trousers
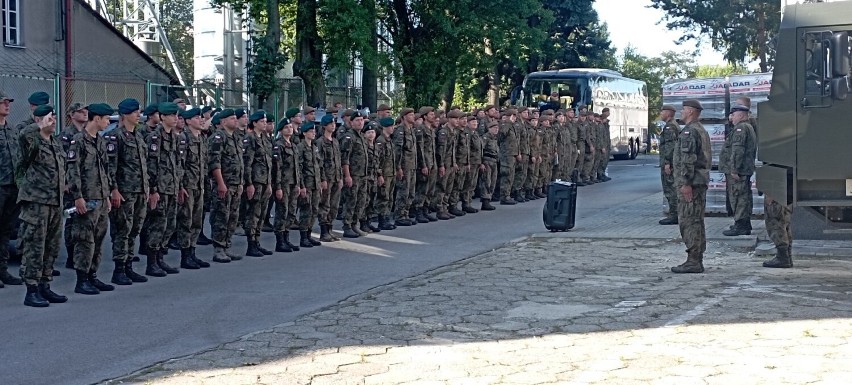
285	209
309	209
125	222
470	181
521	169
256	212
385	196
507	177
355	198
604	162
545	174
160	223
533	171
488	180
330	202
68	202
405	193
740	196
87	233
370	206
425	191
224	217
41	236
777	219
691	220
458	186
669	191
588	165
579	163
444	189
189	218
9	212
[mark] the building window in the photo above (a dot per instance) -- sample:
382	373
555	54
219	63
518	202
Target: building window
12	22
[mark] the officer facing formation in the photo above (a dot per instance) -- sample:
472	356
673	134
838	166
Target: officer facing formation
668	146
738	166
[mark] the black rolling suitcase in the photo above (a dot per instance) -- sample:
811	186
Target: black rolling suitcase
561	206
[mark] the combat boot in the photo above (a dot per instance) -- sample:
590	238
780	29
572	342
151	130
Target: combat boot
119	277
357	228
200	262
186	261
469	210
252	250
280	245
385	224
530	196
33	297
163	265
364	228
324	234
430	216
444	216
539	193
134	276
487	206
262	249
49	295
153	268
783	259
312	240
93	279
232	255
373	228
456	212
304	240
83	285
403	222
739	229
9	279
348	232
220	256
287	239
389	220
693	264
203	240
668	221
331	233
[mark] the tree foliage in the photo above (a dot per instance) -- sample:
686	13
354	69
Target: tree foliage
654	71
739	29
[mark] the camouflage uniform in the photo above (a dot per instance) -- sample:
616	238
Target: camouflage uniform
195	182
522	167
692	168
287	177
490	155
508	142
582	152
353	152
606	144
225	154
426	184
445	147
332	174
407	159
462	150
590	152
257	155
372	176
668	146
42	180
535	137
470	183
128	168
386	164
10	158
88	178
743	151
310	163
777	219
65	137
164	174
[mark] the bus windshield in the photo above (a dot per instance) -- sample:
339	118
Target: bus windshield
570	92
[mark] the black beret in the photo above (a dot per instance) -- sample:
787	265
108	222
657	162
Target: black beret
100	109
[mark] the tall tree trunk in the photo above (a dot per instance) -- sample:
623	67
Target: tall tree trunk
369	74
449	93
271	42
761	40
308	62
494	77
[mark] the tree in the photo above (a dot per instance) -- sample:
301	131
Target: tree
718	71
739	29
655	71
176	19
308	61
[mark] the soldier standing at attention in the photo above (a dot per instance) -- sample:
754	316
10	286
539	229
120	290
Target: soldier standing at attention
10	158
740	167
579	165
164	177
41	178
488	173
128	168
287	183
461	140
355	163
591	154
372	179
191	210
509	155
446	162
257	157
310	163
386	164
89	186
332	178
668	146
78	116
407	160
605	147
523	131
692	174
427	174
226	165
535	140
476	165
152	120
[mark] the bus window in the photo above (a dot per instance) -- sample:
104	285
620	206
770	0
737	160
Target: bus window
568	92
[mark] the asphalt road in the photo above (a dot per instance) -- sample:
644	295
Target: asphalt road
91	338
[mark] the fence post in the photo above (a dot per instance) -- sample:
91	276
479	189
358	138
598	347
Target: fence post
148	93
219	95
60	101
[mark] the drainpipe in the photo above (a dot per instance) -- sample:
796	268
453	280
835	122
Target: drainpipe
68	45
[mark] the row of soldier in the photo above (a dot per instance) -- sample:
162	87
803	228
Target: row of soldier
155	180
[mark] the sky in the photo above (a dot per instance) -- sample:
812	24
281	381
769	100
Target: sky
630	22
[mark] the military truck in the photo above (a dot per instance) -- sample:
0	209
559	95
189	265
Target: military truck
806	125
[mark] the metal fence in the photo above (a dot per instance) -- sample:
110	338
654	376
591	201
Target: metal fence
21	87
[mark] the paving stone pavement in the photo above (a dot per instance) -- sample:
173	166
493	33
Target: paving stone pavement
553	310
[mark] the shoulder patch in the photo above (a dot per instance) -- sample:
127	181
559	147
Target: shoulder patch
110	148
72	155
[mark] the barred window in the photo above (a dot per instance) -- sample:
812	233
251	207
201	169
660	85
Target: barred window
12	22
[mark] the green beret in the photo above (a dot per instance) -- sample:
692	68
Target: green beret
226	113
270	118
291	113
39	98
128	106
215	120
190	113
43	110
386	122
100	109
151	109
281	124
168	108
206	109
258	115
307	126
240	112
326	120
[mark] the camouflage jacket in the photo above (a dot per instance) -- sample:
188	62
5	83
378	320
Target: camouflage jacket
10	154
508	140
386	158
535	137
425	138
476	144
490	149
128	165
42	172
68	134
257	156
353	152
164	169
523	138
743	150
445	147
88	164
194	162
692	156
310	164
462	146
286	172
332	171
225	152
405	148
668	142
